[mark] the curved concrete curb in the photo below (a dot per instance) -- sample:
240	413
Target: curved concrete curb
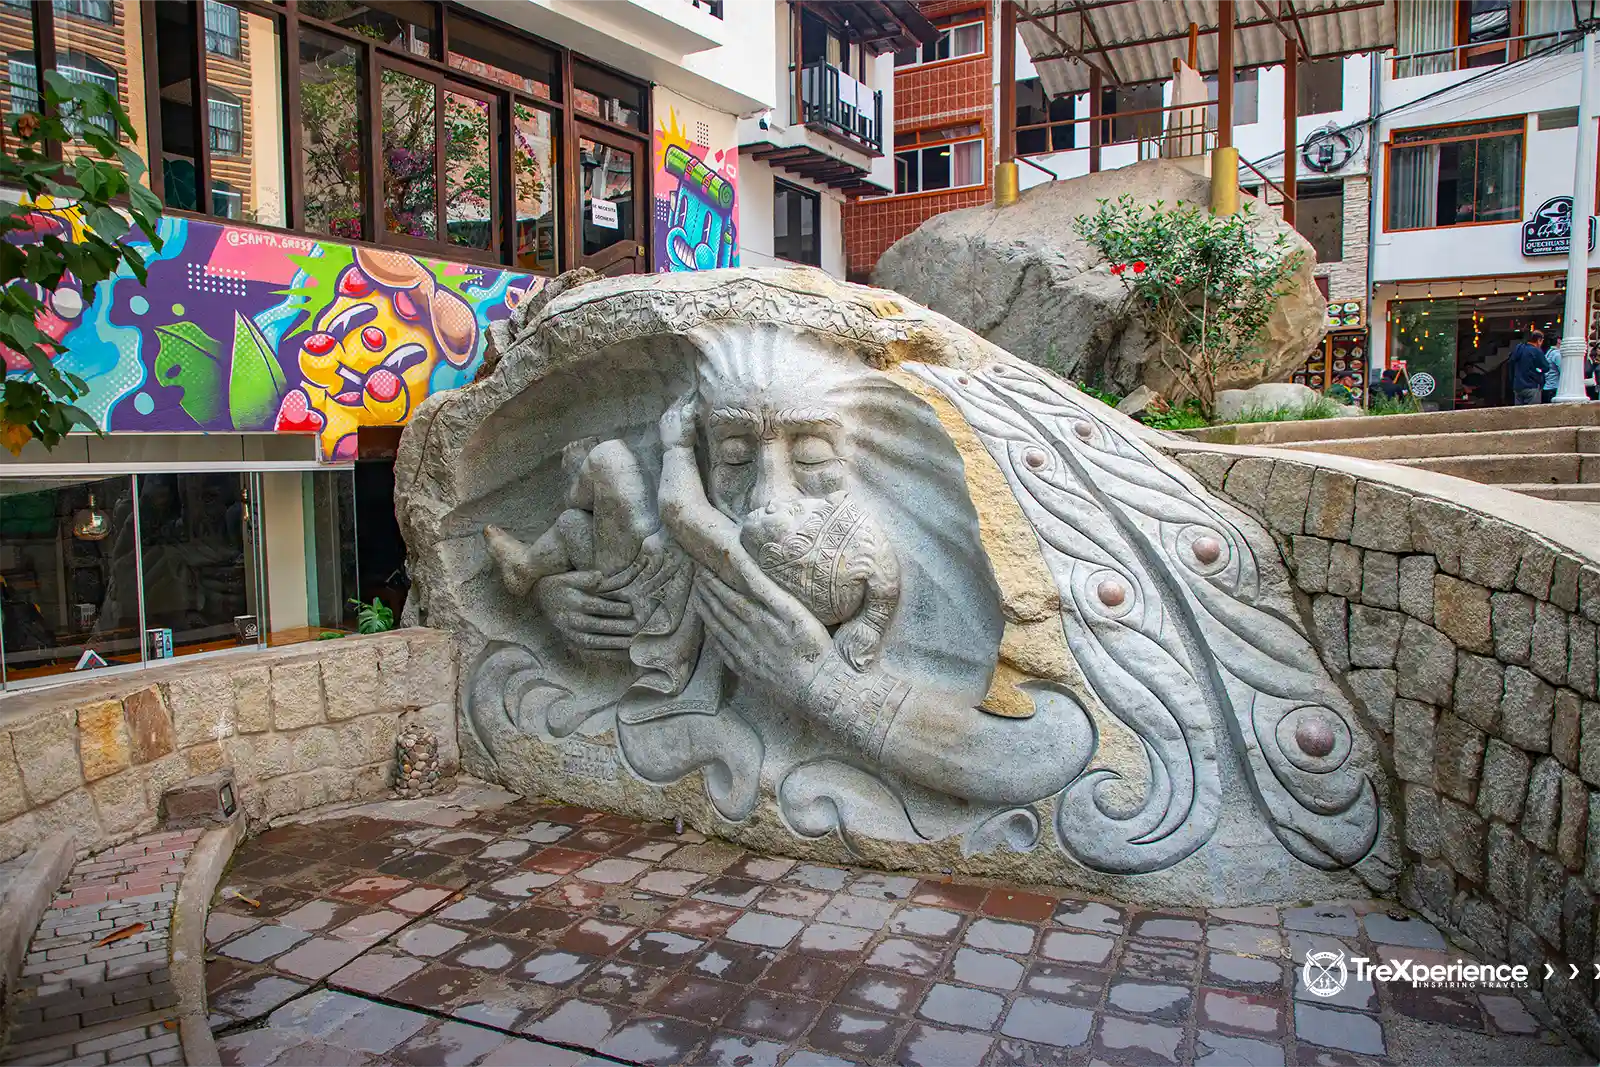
200	877
26	900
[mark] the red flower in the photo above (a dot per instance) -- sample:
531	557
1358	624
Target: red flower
1118	268
1138	266
1178	280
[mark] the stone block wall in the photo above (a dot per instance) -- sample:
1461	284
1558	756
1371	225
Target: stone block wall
301	726
1469	640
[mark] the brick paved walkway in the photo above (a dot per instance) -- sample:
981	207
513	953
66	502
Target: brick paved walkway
88	1002
400	934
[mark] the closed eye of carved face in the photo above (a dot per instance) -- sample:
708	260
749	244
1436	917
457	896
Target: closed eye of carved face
811	451
736	451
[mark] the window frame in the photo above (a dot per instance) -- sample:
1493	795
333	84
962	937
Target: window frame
216	94
1322	189
238	29
978	139
815	199
1389	172
373	57
947	31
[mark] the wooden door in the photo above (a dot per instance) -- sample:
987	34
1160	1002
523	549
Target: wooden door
613	188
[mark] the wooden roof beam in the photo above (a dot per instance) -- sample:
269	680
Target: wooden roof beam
1289	38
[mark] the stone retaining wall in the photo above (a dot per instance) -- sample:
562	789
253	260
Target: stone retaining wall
1463	620
301	726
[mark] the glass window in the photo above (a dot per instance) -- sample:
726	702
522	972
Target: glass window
538	188
1452	175
953	43
1033	109
408	25
1246	100
227	122
469	122
505	60
410	189
1319	216
1484	23
945	166
966	40
222	29
606	96
1319	86
22	83
226	203
198	578
796	224
85	69
69	596
92	10
176	77
333	160
608	176
308	542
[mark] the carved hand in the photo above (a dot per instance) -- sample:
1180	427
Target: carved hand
768	636
584	620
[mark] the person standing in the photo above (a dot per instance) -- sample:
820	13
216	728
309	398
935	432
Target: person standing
1552	371
1527	366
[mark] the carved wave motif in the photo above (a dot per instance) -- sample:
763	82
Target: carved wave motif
1165	608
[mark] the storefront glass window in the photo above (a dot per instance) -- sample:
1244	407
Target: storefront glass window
410	192
196	562
1424	336
537	188
68	580
333	165
308	543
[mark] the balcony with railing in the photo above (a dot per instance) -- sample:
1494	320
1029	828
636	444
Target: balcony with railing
841	108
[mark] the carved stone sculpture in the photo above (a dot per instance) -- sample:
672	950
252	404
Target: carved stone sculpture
821	571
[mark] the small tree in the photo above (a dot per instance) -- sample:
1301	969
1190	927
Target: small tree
1198	283
80	188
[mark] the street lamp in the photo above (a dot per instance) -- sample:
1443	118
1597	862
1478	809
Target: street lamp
1575	321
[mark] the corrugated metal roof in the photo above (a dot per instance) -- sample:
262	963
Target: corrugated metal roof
1134	41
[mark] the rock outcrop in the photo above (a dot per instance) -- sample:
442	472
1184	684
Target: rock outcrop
1024	279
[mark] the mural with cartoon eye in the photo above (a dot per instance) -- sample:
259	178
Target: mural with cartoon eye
243	330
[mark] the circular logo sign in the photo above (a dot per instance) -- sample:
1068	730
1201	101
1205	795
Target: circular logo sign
1324	973
1422	384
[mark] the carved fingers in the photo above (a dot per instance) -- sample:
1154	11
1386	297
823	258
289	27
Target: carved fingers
585	620
768	636
678	422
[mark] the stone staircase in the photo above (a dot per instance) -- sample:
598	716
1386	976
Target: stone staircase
1548	450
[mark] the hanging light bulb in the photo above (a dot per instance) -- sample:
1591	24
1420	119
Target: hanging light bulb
90	523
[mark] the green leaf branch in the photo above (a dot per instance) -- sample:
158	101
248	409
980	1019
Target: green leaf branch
95	190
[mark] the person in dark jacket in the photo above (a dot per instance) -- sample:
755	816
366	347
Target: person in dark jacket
1528	366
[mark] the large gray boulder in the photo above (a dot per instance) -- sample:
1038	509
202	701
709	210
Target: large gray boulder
1023	278
819	571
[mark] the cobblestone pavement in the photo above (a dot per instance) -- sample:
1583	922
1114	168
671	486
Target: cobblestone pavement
520	933
87	995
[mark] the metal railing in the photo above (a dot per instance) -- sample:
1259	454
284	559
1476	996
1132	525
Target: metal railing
1266	181
1154	137
1416	64
855	116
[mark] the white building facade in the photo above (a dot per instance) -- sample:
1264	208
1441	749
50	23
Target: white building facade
1475	178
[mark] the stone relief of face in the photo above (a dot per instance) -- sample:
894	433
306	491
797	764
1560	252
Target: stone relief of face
776	407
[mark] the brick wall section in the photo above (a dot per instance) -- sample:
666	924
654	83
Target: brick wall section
301	726
1471	645
943	94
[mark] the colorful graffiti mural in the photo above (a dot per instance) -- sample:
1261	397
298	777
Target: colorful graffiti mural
696	196
249	330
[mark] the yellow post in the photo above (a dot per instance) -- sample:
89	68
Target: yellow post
1006	184
1224	180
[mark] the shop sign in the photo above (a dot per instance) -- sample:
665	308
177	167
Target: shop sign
604	213
1549	231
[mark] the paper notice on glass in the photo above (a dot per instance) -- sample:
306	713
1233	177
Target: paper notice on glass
603	213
